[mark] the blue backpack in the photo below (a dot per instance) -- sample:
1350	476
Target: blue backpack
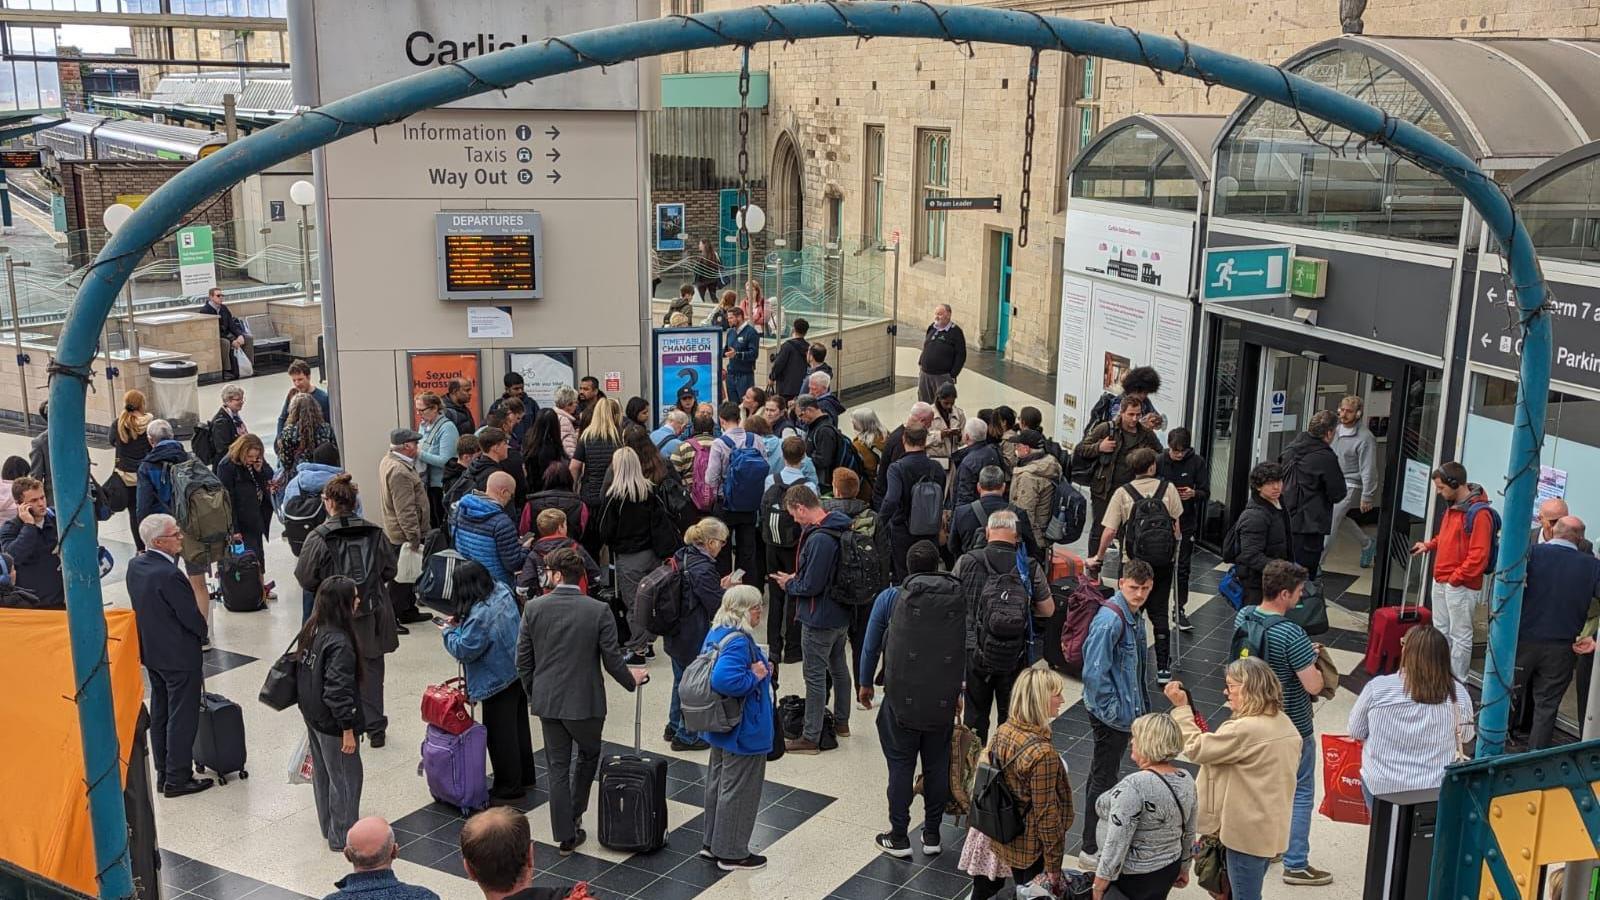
744	477
1494	539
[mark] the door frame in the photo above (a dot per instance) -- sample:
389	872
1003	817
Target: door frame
993	276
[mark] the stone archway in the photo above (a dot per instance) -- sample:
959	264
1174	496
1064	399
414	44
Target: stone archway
786	193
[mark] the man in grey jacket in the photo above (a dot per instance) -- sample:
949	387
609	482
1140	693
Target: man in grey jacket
567	638
1358	459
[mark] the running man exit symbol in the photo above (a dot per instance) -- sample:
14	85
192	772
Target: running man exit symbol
1247	273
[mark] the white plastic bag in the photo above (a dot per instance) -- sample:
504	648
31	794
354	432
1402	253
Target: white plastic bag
300	761
408	568
242	360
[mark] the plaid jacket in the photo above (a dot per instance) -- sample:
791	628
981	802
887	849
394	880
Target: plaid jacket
1039	779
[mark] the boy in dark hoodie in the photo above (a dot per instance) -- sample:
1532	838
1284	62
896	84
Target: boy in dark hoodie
1189	472
551	527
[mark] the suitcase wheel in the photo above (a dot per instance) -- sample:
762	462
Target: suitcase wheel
243	774
221	778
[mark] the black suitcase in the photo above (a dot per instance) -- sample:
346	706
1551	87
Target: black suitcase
219	741
240	575
633	795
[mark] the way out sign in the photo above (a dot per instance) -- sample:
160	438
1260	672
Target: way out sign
197	261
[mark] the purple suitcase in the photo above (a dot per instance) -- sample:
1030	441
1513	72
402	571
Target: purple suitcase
455	766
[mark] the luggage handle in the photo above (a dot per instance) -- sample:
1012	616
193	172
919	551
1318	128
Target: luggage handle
638	716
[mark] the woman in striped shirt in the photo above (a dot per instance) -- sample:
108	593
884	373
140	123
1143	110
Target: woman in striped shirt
1413	722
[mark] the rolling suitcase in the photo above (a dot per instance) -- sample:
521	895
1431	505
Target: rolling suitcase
633	795
455	767
1389	625
219	741
240	574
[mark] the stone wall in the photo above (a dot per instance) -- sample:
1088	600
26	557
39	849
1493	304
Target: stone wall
89	186
825	92
702	211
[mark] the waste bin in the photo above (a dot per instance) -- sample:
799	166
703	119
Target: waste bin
176	385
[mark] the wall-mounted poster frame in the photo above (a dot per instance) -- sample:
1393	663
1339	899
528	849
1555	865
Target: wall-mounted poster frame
431	370
682	357
544	369
670	226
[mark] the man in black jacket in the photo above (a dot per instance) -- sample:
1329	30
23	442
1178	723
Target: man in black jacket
788	372
944	353
1187	471
1109	444
894	447
1313	483
969	520
456	399
30	540
229	329
824	441
912	468
170	632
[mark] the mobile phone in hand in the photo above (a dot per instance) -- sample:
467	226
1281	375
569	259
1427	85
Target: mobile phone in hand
737	575
441	621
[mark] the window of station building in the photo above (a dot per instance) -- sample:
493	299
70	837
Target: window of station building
1563	213
25	84
1269	170
874	158
1079	119
1137	166
933	180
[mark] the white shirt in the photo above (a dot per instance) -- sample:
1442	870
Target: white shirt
1407	744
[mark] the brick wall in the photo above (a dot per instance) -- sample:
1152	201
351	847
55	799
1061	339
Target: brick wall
702	217
825	92
89	186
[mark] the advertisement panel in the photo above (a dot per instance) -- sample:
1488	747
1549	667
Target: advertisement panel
685	358
1151	255
544	370
431	370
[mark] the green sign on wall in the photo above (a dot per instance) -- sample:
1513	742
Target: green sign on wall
197	261
1308	277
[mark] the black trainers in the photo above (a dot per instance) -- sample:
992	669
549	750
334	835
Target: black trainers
749	864
683	746
705	853
1184	624
634	659
897	847
1163	675
567	847
668	733
930	844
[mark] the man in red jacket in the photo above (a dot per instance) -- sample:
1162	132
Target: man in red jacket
1464	554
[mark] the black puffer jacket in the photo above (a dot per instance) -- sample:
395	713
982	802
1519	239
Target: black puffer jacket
1263	534
1313	483
329	698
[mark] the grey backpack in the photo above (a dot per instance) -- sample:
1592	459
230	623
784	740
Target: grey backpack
705	710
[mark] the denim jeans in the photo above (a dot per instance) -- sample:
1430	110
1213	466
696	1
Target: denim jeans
1298	856
1246	873
675	709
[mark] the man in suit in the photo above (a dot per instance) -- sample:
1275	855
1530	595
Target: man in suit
1550	512
229	329
567	638
170	632
1563	585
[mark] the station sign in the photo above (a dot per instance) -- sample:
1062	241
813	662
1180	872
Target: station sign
1574	311
490	254
1247	273
1152	255
19	159
958	203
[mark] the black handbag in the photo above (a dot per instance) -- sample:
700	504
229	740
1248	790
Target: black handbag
996	811
115	493
280	690
778	737
1311	613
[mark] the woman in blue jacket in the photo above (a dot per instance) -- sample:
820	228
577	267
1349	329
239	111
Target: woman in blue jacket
738	763
483	637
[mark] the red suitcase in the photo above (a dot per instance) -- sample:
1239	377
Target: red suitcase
1389	625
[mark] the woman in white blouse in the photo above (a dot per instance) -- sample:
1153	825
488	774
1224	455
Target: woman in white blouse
1413	722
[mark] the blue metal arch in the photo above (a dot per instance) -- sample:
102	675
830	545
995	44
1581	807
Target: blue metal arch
165	209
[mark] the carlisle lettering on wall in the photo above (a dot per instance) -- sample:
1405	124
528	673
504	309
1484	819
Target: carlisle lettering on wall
423	49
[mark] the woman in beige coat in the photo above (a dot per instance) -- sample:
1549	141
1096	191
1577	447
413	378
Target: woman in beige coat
1247	772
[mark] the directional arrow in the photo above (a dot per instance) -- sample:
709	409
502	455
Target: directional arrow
554	176
553	131
1493	297
1485	339
553	153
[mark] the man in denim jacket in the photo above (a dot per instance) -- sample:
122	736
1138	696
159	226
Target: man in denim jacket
1113	688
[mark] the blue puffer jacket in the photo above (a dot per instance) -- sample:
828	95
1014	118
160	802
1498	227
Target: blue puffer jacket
486	644
1113	666
484	533
731	677
153	493
311	478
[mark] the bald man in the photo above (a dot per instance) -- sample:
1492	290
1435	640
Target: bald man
1550	511
921	416
1563	591
371	848
484	531
944	354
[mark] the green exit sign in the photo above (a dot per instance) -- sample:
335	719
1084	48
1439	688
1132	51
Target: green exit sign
1308	277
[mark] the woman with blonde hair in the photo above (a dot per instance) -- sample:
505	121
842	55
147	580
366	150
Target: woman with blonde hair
702	595
1021	753
1247	771
1414	721
592	459
623	520
248	478
1146	832
131	445
738	763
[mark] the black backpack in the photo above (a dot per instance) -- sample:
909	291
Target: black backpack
925	510
357	558
1148	532
863	571
1005	615
202	446
300	515
778	528
925	651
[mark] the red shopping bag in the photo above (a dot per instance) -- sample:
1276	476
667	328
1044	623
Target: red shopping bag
1341	780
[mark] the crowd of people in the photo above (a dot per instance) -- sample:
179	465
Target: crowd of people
781	529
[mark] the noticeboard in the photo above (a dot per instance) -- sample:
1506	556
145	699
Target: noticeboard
490	255
543	370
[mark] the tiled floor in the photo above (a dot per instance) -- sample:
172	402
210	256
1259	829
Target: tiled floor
183	878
